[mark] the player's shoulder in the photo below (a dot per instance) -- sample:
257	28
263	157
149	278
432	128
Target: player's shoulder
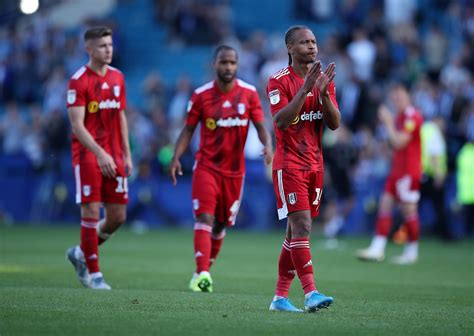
114	70
245	85
281	74
203	88
79	74
412	113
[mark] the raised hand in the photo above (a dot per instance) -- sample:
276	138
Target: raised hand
311	77
324	78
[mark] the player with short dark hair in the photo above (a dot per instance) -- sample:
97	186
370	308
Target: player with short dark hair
302	98
100	152
224	107
404	180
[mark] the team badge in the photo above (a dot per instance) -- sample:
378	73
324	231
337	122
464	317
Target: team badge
71	96
241	108
211	124
195	204
274	97
116	91
86	190
190	106
93	106
292	198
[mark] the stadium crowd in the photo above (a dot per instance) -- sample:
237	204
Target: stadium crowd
427	45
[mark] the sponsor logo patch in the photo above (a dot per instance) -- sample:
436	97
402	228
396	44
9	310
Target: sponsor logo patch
241	108
93	107
71	96
292	198
274	97
211	124
116	91
409	125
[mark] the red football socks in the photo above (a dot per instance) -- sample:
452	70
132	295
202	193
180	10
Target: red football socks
202	246
412	225
89	243
383	225
216	244
301	256
286	271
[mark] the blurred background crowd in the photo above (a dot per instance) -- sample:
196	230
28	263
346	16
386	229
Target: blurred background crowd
164	48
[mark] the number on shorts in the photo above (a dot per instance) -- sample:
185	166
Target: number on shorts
318	196
234	210
122	184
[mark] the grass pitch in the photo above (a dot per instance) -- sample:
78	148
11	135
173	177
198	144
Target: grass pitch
40	295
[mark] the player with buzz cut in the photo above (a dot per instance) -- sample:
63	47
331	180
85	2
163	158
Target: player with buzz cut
403	183
224	107
100	152
302	99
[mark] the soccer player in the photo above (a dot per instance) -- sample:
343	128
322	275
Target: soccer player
302	98
224	107
403	182
100	152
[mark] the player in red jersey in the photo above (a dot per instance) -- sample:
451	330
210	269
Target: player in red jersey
100	152
403	182
302	99
224	107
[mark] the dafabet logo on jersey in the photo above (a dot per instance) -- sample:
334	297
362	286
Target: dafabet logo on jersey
93	107
305	116
211	124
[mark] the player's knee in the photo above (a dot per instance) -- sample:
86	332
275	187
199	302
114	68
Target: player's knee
90	210
206	219
300	228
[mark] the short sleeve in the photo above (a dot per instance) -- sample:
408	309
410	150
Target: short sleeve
193	110
76	93
332	93
123	101
256	112
277	95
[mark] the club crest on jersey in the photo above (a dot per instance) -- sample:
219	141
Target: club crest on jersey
274	97
93	106
211	124
86	190
116	91
71	96
292	198
241	108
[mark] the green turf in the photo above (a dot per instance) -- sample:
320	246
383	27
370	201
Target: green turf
40	295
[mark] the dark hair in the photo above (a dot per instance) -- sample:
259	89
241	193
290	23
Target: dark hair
224	47
97	32
289	37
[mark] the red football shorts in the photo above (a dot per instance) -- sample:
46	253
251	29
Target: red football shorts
216	195
405	188
297	190
92	186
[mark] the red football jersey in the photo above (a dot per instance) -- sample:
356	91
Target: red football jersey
299	146
224	121
407	160
103	99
